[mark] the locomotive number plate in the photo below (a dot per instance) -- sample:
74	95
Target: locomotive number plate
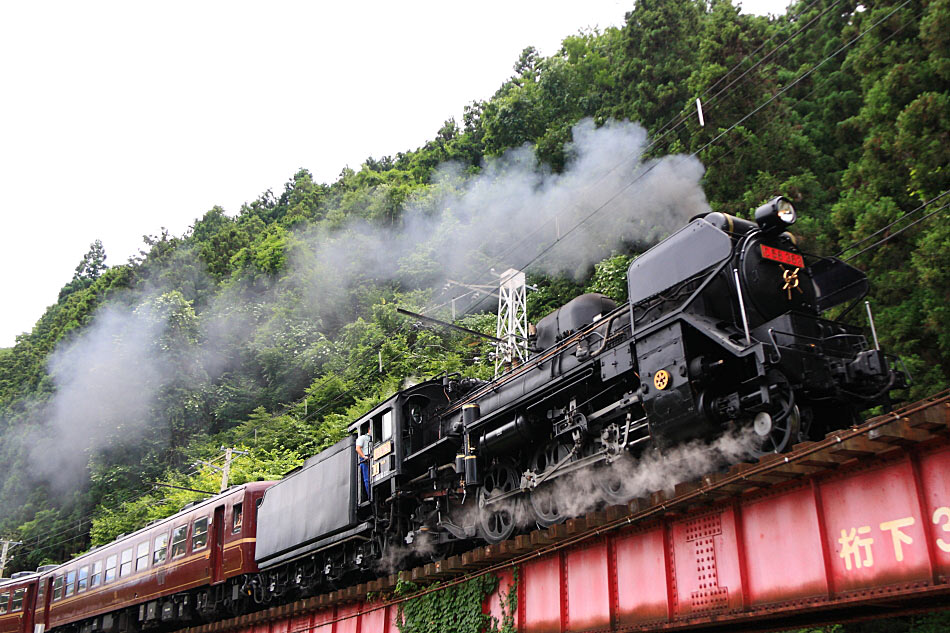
784	257
383	450
374	471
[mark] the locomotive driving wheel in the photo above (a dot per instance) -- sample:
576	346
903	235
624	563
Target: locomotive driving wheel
546	507
780	428
777	434
496	521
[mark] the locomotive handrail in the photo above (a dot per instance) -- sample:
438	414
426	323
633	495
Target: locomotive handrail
778	352
532	363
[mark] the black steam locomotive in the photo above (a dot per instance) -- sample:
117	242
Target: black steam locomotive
723	330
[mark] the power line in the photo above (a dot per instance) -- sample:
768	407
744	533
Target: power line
898	232
881	230
744	118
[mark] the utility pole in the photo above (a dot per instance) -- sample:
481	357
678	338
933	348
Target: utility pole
3	553
229	454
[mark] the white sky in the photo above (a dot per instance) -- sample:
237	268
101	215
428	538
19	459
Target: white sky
118	118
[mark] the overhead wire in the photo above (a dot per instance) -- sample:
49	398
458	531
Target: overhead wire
682	120
884	228
898	232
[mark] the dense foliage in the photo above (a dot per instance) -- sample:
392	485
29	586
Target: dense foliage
842	106
457	607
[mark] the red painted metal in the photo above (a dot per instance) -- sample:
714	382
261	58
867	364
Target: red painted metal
833	543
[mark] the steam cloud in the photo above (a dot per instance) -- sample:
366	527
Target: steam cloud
108	379
515	214
651	471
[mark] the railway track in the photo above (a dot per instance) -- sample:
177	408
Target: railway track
921	423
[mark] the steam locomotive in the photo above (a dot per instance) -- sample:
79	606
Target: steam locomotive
723	330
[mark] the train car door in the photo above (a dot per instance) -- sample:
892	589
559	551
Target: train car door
29	607
217	546
41	616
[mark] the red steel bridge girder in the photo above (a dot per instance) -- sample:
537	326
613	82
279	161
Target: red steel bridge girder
854	526
846	541
869	540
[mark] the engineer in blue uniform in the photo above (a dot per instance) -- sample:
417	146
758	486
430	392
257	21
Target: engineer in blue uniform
363	445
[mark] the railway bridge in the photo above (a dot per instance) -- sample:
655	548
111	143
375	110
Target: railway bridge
854	526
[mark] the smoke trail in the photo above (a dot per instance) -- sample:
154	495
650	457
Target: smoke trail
607	197
651	471
109	380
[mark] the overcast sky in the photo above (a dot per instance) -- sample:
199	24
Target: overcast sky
119	118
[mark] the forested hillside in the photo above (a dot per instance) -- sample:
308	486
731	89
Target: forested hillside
268	328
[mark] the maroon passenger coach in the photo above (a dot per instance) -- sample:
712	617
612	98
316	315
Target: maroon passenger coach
193	564
18	602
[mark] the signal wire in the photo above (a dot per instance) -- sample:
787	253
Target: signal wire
734	125
898	232
680	119
881	230
646	171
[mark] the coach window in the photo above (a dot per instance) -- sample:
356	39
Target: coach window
58	588
237	516
4	602
96	574
141	556
110	568
70	585
387	424
17	599
199	536
125	566
83	578
179	541
161	549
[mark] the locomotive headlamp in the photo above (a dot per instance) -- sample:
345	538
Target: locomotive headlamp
776	215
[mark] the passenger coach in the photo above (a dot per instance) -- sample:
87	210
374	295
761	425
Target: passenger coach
192	563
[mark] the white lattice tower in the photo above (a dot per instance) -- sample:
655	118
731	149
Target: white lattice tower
512	325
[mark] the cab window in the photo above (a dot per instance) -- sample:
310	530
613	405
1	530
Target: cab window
387	424
83	578
199	536
161	549
237	516
179	541
125	568
141	556
58	588
4	602
110	568
18	599
96	574
70	585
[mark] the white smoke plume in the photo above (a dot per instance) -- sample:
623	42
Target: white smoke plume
653	470
517	214
106	381
109	377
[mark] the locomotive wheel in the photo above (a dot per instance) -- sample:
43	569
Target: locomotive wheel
777	434
543	500
496	523
610	481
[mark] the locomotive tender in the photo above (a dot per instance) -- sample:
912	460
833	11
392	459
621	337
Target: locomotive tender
723	330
